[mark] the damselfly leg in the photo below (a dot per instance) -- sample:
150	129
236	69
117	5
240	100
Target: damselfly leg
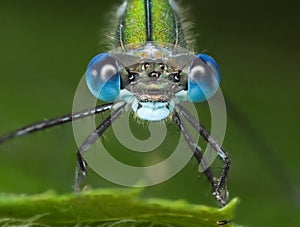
218	184
81	168
38	126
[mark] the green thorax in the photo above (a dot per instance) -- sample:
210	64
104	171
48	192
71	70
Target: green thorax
149	20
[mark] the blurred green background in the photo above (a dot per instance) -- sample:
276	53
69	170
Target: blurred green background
45	47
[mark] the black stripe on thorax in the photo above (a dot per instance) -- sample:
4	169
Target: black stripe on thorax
148	20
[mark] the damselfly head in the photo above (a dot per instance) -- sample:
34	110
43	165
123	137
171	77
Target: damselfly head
152	77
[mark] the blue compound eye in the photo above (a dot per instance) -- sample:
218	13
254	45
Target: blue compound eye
103	78
203	78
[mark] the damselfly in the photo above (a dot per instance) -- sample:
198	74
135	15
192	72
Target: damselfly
149	72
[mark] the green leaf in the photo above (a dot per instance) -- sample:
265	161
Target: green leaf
111	207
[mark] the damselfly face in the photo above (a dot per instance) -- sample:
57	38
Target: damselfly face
153	86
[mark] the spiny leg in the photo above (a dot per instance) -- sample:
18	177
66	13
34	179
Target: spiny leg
220	191
38	126
196	150
81	168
